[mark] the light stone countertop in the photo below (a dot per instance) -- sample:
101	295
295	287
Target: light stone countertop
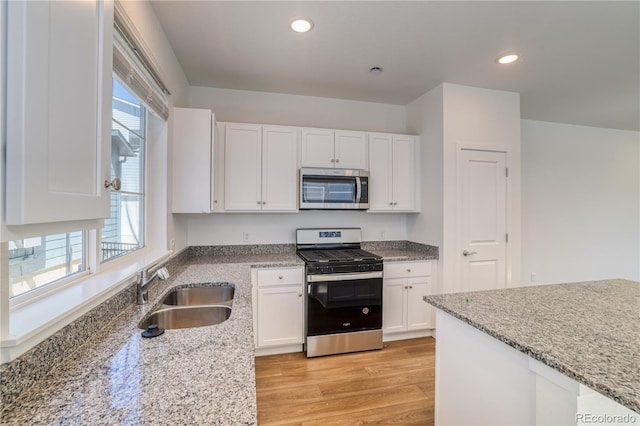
203	375
400	255
589	331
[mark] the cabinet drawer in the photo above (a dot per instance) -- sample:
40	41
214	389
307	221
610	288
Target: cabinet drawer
407	269
268	277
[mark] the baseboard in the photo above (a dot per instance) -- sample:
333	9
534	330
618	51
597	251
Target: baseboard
276	350
408	335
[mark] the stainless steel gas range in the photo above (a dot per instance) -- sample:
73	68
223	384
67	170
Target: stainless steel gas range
344	292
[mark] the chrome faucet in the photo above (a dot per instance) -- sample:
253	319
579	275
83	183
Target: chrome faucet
142	283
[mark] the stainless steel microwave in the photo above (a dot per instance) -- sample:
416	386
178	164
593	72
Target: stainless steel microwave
334	189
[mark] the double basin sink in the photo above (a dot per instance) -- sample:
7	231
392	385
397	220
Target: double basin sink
200	306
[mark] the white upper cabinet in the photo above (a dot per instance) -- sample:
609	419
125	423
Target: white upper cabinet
260	167
404	173
59	71
392	172
317	148
327	148
194	134
351	150
242	167
279	168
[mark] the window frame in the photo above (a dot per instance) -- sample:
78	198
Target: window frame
142	186
54	286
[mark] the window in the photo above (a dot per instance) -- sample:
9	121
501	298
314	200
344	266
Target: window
36	262
123	231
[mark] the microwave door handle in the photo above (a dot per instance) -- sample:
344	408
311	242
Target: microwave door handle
358	189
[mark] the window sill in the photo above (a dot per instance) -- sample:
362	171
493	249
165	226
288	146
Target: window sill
31	323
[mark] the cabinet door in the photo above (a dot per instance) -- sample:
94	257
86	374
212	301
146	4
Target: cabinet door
59	70
242	167
279	168
351	150
380	172
193	137
394	305
317	148
280	315
404	173
418	312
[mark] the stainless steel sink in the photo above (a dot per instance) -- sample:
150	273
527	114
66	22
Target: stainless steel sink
192	296
187	317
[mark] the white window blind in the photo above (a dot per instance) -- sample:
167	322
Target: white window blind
135	68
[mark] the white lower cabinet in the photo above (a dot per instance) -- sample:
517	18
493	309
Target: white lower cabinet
278	310
404	313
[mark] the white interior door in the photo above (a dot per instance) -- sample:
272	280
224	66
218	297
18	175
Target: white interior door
483	191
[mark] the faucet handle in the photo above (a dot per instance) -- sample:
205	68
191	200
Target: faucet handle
163	273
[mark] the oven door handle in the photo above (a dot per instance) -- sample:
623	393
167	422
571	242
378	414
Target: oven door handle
344	277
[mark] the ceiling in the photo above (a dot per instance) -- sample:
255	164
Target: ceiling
580	65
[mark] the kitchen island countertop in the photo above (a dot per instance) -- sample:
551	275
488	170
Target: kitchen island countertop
588	331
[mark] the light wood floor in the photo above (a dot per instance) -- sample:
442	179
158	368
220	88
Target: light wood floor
392	386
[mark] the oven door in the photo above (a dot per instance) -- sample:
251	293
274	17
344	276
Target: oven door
342	303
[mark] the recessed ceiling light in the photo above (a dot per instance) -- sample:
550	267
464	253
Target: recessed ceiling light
301	25
376	70
508	58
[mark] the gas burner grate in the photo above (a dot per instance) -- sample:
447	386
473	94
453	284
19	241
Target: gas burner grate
337	255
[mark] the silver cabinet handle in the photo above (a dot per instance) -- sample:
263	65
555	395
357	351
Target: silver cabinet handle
115	184
337	160
410	286
280	277
258	202
395	204
299	294
408	270
469	253
333	160
390	204
264	202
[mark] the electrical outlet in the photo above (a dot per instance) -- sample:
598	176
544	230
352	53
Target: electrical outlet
381	235
246	237
172	244
532	277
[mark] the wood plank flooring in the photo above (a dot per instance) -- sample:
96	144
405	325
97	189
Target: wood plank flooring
393	386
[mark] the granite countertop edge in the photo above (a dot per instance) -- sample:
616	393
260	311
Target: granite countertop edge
544	358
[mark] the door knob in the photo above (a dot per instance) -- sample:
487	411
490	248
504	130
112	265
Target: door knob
468	253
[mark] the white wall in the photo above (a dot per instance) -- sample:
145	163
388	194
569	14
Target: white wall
274	228
425	118
293	110
448	118
484	119
580	203
274	108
